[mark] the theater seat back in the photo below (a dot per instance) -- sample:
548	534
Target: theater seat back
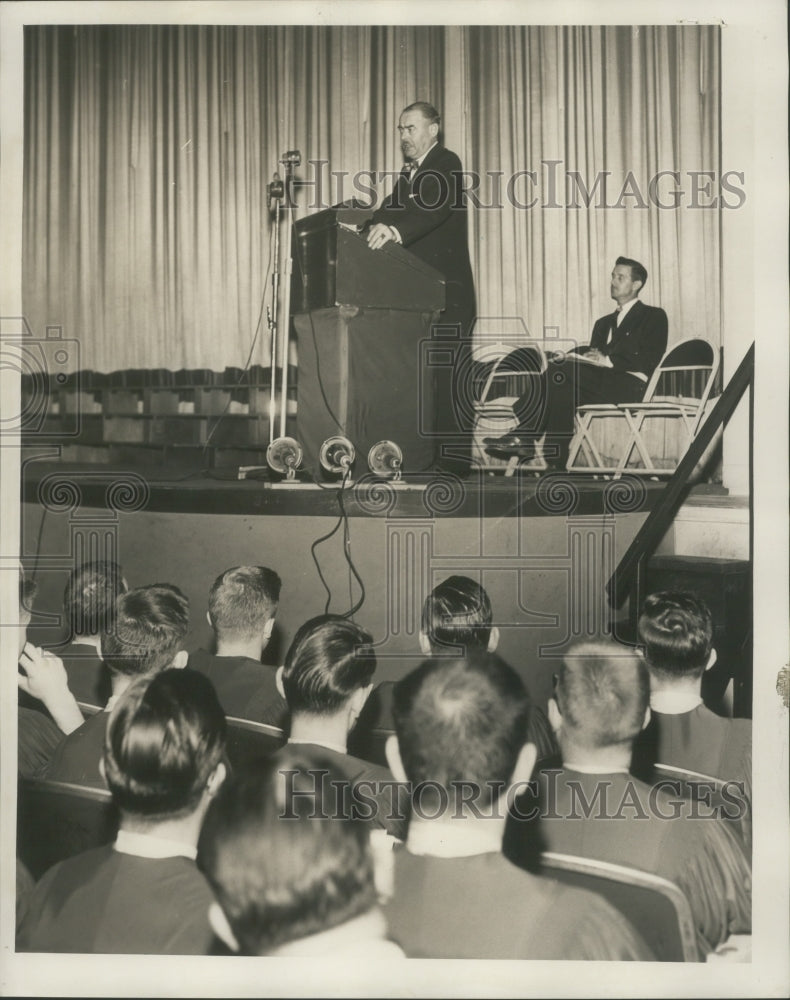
56	820
656	908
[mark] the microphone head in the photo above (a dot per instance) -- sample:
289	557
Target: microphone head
337	454
284	455
385	460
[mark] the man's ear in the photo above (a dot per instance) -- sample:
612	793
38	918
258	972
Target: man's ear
648	716
711	659
221	927
425	644
493	640
268	628
180	660
208	618
555	716
433	128
392	753
357	701
525	764
278	680
215	779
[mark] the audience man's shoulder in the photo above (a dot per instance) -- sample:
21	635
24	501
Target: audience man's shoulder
56	886
76	758
202	660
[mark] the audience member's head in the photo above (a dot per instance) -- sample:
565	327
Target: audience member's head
601	697
150	625
457	616
283	861
329	668
676	630
163	747
90	596
242	604
460	721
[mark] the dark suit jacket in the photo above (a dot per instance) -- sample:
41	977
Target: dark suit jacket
638	344
76	758
105	902
484	907
429	212
615	817
246	688
381	800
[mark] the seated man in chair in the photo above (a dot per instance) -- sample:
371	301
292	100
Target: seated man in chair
676	630
593	807
625	348
457	619
143	894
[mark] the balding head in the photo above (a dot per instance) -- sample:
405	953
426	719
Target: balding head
602	692
461	720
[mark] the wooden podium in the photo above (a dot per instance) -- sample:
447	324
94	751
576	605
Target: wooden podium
363	322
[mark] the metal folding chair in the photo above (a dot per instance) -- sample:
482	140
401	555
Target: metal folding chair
507	380
677	395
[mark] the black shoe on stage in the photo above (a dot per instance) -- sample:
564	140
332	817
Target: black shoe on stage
511	444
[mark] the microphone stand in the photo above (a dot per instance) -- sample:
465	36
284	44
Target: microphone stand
292	158
274	193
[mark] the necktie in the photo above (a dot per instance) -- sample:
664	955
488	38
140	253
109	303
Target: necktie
613	328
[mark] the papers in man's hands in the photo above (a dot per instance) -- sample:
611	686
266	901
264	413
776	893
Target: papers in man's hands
593	358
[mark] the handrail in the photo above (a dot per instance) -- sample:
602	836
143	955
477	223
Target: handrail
658	520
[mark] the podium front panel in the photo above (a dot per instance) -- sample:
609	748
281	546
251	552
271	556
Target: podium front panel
360	374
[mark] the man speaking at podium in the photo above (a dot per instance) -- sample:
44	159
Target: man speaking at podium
426	214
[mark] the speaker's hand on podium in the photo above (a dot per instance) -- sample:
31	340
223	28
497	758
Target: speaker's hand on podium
380	234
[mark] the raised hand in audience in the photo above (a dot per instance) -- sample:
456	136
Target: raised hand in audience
44	677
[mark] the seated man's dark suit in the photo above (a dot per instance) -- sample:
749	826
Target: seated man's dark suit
89	677
76	758
615	817
38	737
636	345
105	902
482	906
704	743
429	211
246	688
380	799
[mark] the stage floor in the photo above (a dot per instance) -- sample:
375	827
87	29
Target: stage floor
157	488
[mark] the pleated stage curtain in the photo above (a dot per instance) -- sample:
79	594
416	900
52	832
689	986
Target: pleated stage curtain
148	150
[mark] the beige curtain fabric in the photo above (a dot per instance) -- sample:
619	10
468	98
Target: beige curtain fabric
148	151
576	105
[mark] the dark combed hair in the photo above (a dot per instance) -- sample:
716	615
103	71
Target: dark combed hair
150	624
457	613
427	110
329	659
638	271
283	860
602	690
676	629
242	600
90	596
165	737
461	720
